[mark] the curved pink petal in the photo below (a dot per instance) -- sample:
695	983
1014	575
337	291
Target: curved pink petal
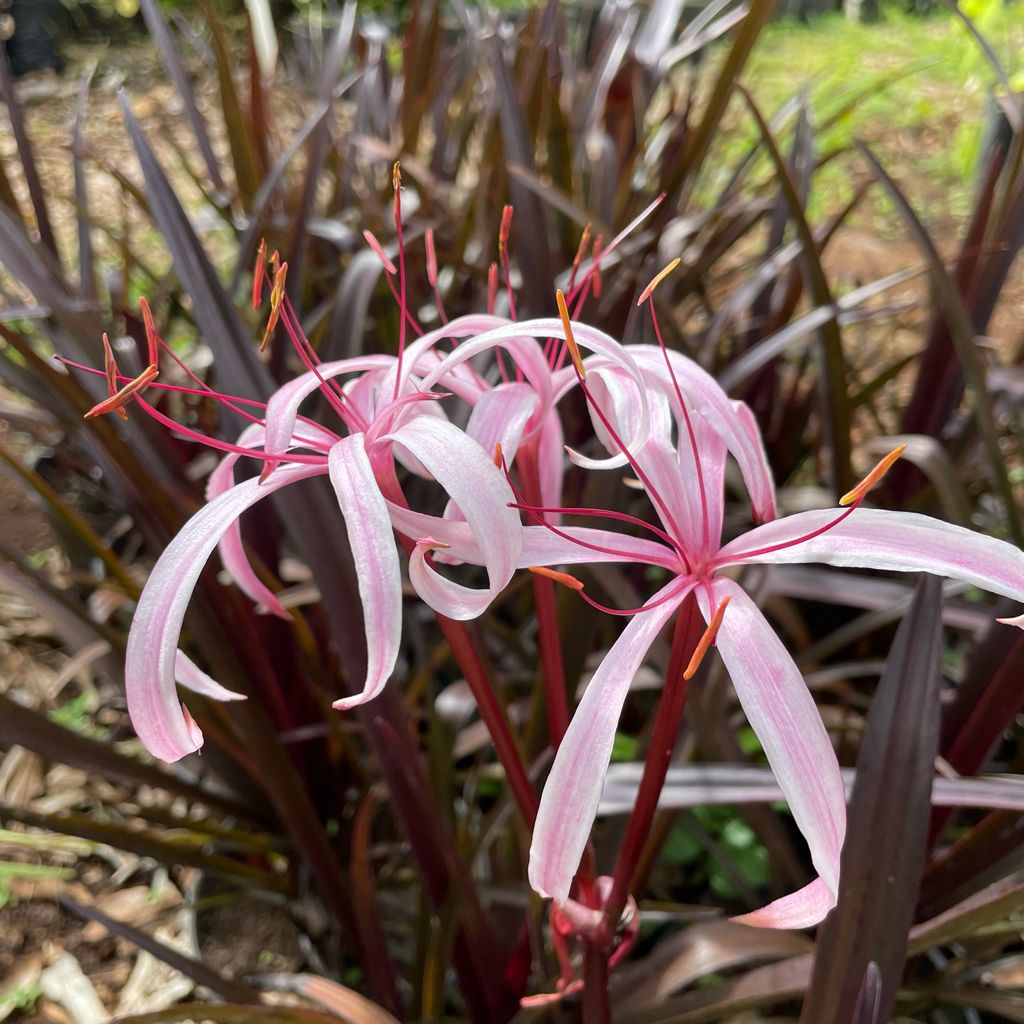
231	549
780	710
871	538
801	909
572	792
283	407
551	461
736	427
482	495
192	677
517	339
165	729
378	572
501	416
705	514
635	412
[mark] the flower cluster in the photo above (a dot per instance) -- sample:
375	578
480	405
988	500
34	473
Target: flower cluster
474	406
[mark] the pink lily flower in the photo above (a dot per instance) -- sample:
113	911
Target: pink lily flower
387	422
685	486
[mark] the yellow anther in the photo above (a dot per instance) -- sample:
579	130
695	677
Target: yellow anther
658	278
883	467
119	400
396	176
570	340
559	577
707	639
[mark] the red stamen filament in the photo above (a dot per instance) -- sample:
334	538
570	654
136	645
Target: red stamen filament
225	446
396	181
428	241
538	517
704	518
742	555
636	467
672	595
599	513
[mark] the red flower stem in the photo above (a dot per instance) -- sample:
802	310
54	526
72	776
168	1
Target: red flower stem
596	1005
467	657
548	636
688	630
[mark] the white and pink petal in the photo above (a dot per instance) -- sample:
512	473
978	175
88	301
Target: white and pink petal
782	713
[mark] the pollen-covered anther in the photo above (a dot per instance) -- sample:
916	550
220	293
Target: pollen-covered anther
706	640
498	458
396	176
883	466
276	300
259	274
505	229
378	249
582	248
428	241
570	340
110	368
121	398
152	338
559	577
656	280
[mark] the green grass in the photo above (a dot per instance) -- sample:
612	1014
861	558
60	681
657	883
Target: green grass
916	90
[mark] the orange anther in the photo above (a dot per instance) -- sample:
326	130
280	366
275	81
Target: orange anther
428	241
110	367
152	338
559	577
883	467
371	241
584	243
656	280
570	340
126	394
707	639
498	457
396	176
259	275
276	300
506	227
